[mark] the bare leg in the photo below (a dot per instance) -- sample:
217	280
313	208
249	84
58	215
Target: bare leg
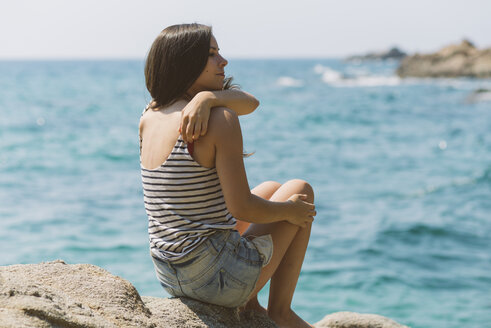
264	190
289	243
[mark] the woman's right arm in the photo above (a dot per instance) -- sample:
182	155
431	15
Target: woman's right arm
226	135
194	117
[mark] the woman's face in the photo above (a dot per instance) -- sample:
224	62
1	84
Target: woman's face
212	76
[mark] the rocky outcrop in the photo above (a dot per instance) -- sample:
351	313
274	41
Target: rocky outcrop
463	59
393	53
56	294
352	320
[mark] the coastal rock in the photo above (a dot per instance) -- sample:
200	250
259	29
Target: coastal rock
393	53
56	294
463	59
186	312
356	320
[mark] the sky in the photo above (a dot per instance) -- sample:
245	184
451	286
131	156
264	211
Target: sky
119	29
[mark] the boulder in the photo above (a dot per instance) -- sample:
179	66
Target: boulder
56	294
356	320
456	60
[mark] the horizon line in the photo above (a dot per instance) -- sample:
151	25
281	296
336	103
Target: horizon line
143	58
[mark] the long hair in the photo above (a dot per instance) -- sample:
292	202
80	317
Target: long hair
176	59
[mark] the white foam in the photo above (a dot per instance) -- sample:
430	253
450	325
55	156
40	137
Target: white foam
319	69
331	76
362	78
357	71
286	81
369	81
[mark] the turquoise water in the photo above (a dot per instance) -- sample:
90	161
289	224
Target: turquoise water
401	170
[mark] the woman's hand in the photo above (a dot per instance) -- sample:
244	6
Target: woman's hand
195	115
301	212
194	118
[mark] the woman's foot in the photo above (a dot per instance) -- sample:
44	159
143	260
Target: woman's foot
288	319
253	305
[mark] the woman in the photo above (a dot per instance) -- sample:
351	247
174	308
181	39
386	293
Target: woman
211	238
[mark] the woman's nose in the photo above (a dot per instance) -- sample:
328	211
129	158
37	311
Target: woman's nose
223	61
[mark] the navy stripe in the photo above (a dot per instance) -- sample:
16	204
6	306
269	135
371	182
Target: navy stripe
180	160
181	166
190	215
181	230
196	202
199	217
179	178
179	190
203	169
187	184
185	209
187	196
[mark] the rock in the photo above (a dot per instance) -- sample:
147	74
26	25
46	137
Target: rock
83	295
393	53
356	320
62	295
56	294
463	59
185	312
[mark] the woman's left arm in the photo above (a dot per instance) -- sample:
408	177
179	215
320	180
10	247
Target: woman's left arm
194	117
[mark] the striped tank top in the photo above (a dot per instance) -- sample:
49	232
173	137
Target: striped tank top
184	204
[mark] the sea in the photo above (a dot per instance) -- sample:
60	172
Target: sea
401	170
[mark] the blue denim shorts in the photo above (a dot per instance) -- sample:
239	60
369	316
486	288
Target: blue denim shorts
222	270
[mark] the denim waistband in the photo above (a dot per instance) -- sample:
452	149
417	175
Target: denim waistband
219	235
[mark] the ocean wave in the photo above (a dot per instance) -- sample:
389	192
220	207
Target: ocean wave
287	81
481	177
360	79
422	232
369	81
115	248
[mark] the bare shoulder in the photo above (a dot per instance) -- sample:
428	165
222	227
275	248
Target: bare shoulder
222	122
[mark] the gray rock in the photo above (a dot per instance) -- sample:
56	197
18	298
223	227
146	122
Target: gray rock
56	294
356	320
463	59
393	53
185	312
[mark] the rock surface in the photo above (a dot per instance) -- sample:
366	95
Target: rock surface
55	294
352	320
463	59
393	53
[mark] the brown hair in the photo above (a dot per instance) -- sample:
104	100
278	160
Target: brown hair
176	59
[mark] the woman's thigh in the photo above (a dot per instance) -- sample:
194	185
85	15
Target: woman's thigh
282	232
266	189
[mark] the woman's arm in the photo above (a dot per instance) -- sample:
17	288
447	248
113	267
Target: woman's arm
241	102
226	135
194	118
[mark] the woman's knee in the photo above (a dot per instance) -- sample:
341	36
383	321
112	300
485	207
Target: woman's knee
271	184
303	187
266	189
